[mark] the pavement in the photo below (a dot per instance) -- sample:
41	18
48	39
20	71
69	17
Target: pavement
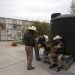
13	62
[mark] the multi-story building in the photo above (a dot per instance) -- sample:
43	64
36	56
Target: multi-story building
12	28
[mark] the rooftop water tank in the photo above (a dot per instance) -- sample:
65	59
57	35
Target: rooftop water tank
64	25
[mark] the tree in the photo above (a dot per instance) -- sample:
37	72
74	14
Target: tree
73	7
2	25
42	27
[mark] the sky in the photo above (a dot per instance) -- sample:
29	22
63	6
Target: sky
33	10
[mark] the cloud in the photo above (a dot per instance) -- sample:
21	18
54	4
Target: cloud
33	9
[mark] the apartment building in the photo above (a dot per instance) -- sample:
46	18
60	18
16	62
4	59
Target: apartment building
12	28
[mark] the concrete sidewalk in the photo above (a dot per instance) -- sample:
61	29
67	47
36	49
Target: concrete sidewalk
13	62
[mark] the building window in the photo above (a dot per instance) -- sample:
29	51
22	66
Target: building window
8	20
18	26
14	26
9	35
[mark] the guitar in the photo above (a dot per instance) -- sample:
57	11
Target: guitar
54	48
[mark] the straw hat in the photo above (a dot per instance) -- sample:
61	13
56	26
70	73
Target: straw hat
46	37
32	28
57	37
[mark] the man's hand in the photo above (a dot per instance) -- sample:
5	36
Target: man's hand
39	46
58	46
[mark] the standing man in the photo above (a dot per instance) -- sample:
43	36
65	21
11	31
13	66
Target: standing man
29	41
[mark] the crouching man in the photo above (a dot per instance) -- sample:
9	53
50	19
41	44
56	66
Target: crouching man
41	42
56	53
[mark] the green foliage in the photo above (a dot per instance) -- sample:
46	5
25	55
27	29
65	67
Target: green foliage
2	26
23	30
42	28
73	7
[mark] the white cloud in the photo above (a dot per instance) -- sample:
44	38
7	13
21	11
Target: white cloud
33	9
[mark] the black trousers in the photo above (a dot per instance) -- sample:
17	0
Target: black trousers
37	56
37	53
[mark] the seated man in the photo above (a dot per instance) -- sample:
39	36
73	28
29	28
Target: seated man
40	42
56	51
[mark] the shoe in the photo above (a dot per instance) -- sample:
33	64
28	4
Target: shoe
58	69
52	66
31	68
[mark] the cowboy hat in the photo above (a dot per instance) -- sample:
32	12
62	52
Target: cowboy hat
32	28
46	37
57	37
